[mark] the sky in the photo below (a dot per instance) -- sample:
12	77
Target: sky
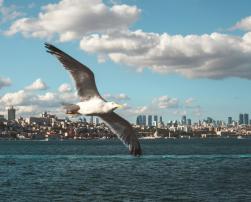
163	57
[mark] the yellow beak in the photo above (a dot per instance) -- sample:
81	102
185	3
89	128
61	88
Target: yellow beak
120	106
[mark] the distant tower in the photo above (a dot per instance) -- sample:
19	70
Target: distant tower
246	119
229	120
91	119
139	120
155	118
97	121
160	119
241	119
11	114
150	120
144	120
189	122
184	120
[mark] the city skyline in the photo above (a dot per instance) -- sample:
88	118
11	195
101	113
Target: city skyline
182	65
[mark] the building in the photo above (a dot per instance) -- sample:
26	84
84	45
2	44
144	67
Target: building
144	120
97	121
241	119
11	114
155	118
150	121
184	120
160	119
246	119
229	120
91	119
139	120
189	122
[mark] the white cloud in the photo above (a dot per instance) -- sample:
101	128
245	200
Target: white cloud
243	24
213	56
37	85
4	82
164	102
189	102
65	87
8	13
71	19
119	97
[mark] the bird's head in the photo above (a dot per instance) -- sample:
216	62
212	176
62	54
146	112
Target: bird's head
114	105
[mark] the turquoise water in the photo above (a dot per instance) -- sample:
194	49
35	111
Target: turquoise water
102	170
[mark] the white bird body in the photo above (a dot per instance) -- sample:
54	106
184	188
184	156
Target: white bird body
95	105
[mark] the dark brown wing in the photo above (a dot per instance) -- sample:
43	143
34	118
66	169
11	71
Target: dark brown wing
124	131
83	76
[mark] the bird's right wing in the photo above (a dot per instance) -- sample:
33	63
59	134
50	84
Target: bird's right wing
83	76
123	130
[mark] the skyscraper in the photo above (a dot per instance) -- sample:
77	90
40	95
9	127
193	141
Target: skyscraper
144	120
97	121
246	119
229	120
160	119
11	113
139	120
189	122
184	120
91	119
155	118
150	120
241	119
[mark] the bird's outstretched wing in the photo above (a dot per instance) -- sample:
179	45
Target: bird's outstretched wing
123	130
83	76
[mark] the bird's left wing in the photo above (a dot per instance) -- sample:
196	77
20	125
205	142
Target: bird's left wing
123	130
83	76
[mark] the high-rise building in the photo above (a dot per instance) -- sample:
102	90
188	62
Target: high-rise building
150	120
144	120
139	120
246	119
155	118
97	120
241	119
91	119
189	122
184	120
160	119
11	113
229	120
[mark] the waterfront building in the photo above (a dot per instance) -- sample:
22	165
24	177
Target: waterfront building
91	119
150	120
97	121
160	119
229	120
11	114
184	120
189	122
144	120
241	119
155	118
139	120
246	119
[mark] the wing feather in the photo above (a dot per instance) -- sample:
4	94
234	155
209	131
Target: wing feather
82	75
123	130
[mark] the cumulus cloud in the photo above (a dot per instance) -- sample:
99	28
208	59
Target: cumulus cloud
164	102
119	97
8	13
65	87
189	102
71	19
243	24
4	82
213	56
37	85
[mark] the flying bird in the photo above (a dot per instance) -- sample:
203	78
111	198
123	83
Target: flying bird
92	103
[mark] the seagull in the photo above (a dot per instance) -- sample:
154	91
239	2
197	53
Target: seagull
92	103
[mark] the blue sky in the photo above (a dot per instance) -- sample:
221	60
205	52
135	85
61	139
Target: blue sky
160	69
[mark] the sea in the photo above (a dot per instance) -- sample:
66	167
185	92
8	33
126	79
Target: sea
209	169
